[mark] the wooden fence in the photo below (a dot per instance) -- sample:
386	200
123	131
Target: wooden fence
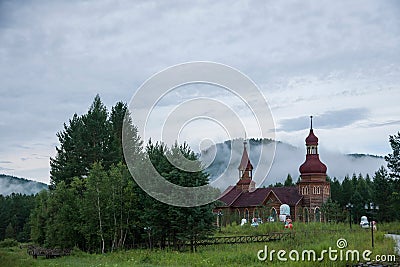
244	239
180	245
49	253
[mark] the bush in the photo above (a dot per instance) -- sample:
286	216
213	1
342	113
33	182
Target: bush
6	243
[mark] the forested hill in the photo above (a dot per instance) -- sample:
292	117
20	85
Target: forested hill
287	160
11	184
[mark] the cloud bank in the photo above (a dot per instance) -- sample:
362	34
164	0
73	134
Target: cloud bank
308	57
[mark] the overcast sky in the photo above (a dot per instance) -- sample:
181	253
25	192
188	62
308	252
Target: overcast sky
337	60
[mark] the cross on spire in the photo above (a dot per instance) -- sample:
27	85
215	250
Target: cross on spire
311	121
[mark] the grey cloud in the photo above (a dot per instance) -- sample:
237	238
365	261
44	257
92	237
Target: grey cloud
5	169
385	123
327	120
56	55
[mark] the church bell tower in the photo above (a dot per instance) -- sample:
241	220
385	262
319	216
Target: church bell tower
245	182
313	185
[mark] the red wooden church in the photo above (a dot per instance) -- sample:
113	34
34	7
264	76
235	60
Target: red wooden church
305	199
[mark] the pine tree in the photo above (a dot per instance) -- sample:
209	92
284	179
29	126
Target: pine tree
63	222
10	233
331	210
176	224
85	140
393	159
382	192
68	162
94	202
116	120
336	191
289	181
393	163
347	191
39	218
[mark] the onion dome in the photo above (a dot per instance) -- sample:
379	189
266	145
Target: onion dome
312	163
311	138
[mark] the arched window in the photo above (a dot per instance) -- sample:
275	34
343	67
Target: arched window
317	214
237	216
306	218
316	190
304	190
256	213
273	214
247	214
326	190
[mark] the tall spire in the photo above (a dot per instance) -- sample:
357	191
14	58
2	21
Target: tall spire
312	163
245	182
245	167
245	161
311	138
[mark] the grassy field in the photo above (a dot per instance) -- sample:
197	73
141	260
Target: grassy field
317	237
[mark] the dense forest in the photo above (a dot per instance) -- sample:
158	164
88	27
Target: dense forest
94	204
382	190
15	210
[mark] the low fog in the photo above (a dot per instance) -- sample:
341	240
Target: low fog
9	184
287	160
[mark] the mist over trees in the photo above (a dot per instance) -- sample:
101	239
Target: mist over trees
10	184
382	190
94	203
287	160
359	190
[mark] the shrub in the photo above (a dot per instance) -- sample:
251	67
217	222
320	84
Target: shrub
6	243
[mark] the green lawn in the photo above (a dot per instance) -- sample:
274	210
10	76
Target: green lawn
315	237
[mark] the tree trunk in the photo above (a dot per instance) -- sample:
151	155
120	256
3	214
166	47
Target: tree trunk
100	221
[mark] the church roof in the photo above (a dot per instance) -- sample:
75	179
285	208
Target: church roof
229	195
287	194
237	198
254	198
312	165
244	181
311	138
245	163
